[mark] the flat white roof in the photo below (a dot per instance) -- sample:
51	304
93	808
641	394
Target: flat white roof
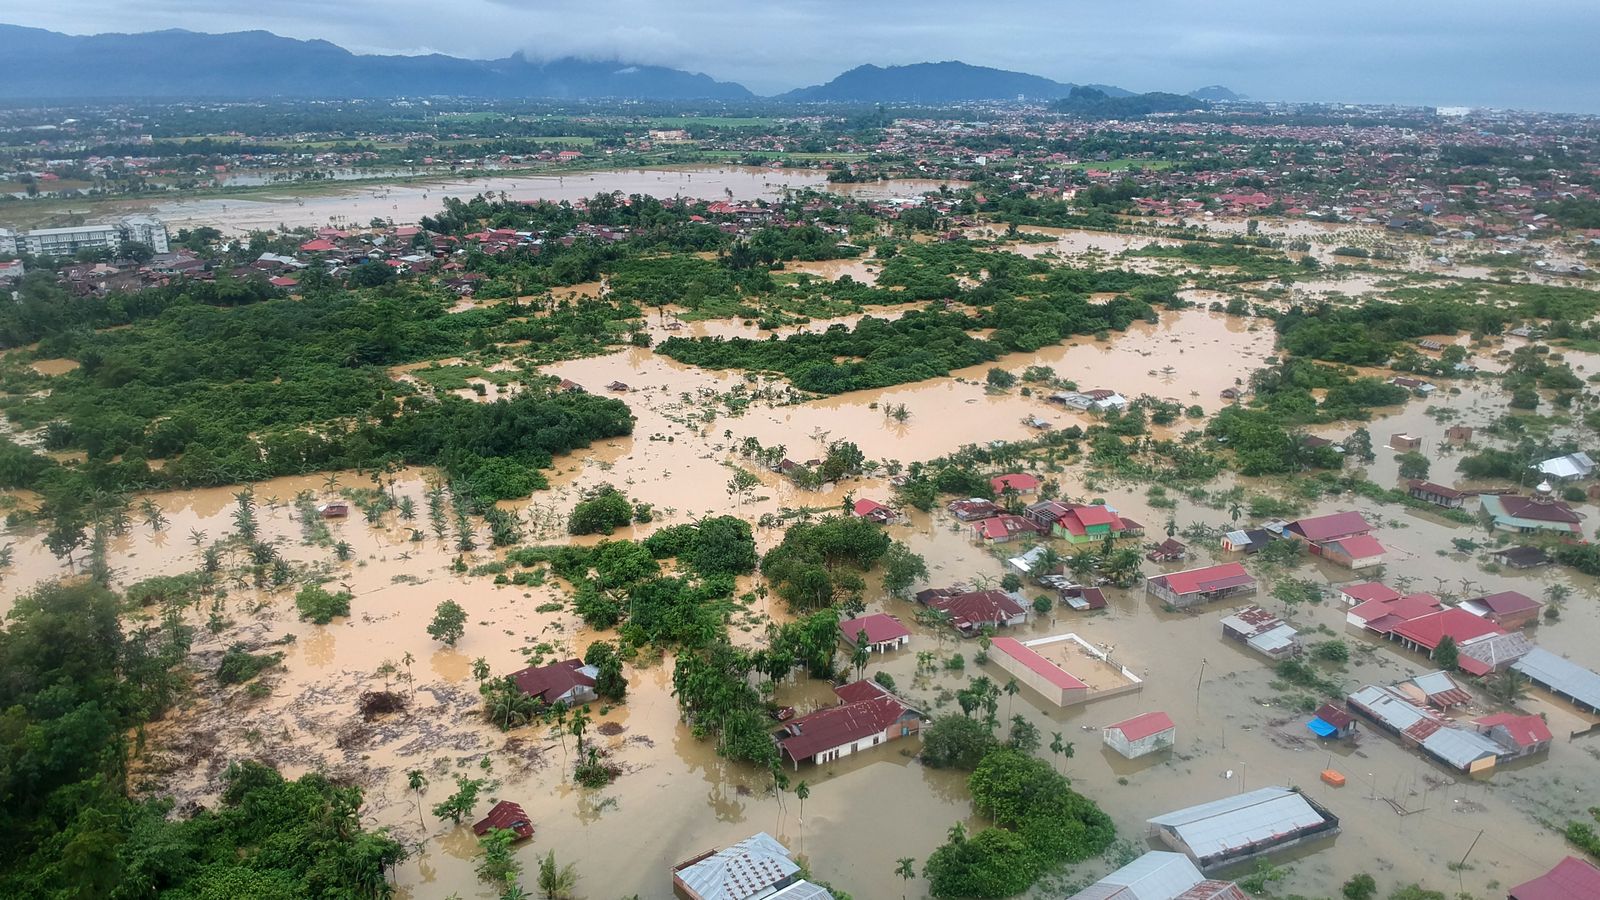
1234	823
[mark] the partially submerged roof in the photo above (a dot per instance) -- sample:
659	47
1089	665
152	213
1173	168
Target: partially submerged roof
1333	525
1234	823
1525	730
1571	879
878	626
1157	875
1208	578
1142	726
739	871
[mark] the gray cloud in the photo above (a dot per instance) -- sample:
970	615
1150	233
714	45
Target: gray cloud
1476	52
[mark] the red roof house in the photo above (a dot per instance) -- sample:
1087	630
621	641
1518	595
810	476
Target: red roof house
1508	609
1003	529
1355	594
867	716
1571	879
1522	735
570	682
1383	616
971	610
1140	735
1319	529
873	511
318	246
1361	551
508	816
1424	633
884	632
1202	585
1021	483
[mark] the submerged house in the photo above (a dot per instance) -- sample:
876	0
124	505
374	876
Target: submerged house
970	611
1204	585
507	816
1461	749
1572	467
1508	609
1528	515
1029	668
1571	879
756	868
1243	827
1159	875
1344	538
1262	632
866	716
1437	494
570	682
1085	524
883	632
1140	735
1520	735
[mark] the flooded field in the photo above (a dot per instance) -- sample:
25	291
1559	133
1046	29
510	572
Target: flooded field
1404	818
407	200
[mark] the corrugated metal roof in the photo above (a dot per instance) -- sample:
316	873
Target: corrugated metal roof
1388	707
740	871
1278	639
1157	875
1564	675
1237	822
1459	747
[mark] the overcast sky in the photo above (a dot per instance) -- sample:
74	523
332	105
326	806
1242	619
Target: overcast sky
1461	52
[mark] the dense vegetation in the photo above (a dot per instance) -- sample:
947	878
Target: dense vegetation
74	686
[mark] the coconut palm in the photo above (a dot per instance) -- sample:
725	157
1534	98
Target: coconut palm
556	881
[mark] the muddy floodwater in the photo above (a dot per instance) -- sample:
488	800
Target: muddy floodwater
407	201
1404	818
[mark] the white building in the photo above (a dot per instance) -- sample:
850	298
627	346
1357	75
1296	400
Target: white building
66	242
1140	735
146	230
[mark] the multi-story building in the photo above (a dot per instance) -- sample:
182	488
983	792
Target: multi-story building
67	242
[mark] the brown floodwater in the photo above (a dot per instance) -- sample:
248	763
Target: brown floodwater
675	798
406	202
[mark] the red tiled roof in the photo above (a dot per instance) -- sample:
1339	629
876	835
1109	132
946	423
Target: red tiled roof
1525	730
1037	664
317	246
1210	578
1333	715
1571	879
978	608
1017	481
865	507
825	729
879	627
507	815
1004	526
550	682
1091	516
1330	527
1530	508
1459	624
1142	726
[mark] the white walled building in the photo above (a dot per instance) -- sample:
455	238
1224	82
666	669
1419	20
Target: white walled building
66	242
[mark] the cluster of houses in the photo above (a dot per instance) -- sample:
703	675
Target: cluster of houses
1416	712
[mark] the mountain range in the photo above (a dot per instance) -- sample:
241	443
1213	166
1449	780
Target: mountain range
44	64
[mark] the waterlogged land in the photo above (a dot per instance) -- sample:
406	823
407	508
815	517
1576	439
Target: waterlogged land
1239	725
675	797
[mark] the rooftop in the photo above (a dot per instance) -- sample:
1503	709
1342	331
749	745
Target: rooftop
1264	815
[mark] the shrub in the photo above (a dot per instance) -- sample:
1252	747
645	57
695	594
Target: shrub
320	606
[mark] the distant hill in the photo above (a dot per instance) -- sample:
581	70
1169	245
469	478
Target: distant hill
1215	93
942	82
46	64
1089	103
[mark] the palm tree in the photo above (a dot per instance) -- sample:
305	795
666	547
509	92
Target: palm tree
802	791
556	882
1556	595
1060	747
418	782
906	868
1012	689
1172	526
1235	511
1048	561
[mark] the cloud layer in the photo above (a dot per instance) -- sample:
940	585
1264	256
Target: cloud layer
1465	52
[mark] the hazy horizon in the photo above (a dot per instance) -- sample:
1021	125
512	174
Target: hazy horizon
1467	53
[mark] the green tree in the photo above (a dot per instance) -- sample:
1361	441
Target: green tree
556	882
461	803
1413	465
1445	655
449	623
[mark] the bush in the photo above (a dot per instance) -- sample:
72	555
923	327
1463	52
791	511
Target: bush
239	665
603	510
319	606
